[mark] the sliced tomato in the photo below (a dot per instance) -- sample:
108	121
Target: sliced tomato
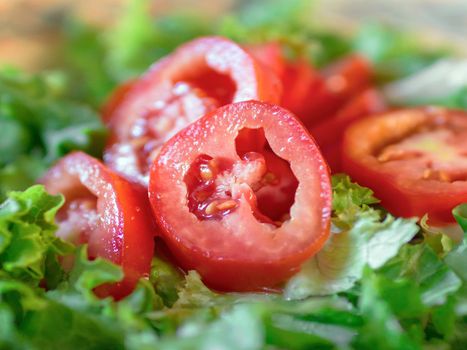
197	78
317	95
108	213
269	54
205	197
115	99
328	134
414	160
301	82
276	199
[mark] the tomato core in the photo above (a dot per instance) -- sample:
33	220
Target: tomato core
215	185
219	86
441	152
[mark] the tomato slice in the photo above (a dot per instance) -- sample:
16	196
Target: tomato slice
328	134
414	160
275	200
108	213
205	197
317	95
197	78
301	82
270	55
115	99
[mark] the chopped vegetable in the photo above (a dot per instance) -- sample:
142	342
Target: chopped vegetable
242	196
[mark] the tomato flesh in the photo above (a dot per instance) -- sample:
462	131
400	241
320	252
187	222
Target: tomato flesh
270	55
318	95
108	213
205	197
329	133
414	160
115	99
301	82
216	185
197	78
275	199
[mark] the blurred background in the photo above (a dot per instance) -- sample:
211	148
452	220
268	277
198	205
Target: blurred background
32	30
61	59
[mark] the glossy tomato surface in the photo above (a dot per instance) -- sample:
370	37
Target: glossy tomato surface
269	54
318	95
414	160
108	213
197	78
329	133
115	99
301	82
205	194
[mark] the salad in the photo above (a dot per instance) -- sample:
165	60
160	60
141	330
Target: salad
253	182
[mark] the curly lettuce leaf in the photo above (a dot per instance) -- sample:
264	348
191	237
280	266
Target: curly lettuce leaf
457	258
359	237
420	264
382	328
38	126
27	241
166	279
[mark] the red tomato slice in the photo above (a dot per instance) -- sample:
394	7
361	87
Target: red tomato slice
115	99
328	134
107	212
270	55
275	200
301	82
197	78
205	198
315	96
414	160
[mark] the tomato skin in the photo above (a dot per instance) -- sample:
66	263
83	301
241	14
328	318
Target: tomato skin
252	82
329	133
341	81
301	82
236	251
400	185
125	229
269	54
317	95
115	98
196	78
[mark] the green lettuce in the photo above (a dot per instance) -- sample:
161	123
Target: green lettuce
408	296
360	236
39	125
28	244
395	54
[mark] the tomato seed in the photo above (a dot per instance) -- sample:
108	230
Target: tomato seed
270	178
205	172
229	204
139	142
211	208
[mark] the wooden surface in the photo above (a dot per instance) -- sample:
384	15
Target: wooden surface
28	28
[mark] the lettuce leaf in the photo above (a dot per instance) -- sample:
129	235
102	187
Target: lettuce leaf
39	125
415	299
360	237
457	258
27	241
